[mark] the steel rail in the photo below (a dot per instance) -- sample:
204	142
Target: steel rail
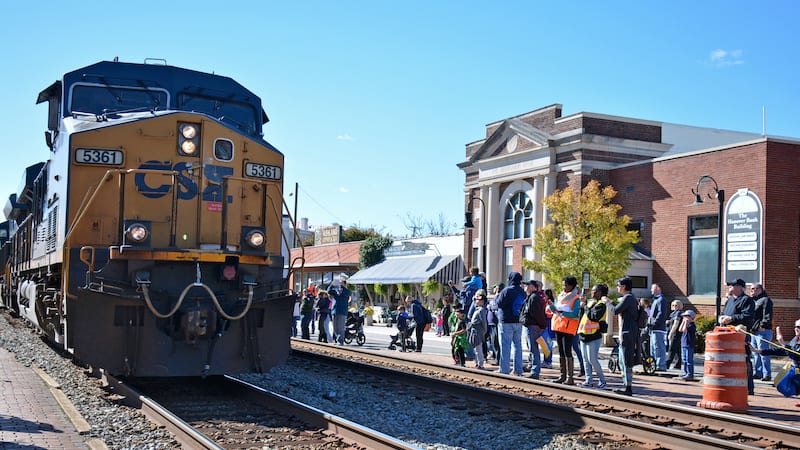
189	437
184	433
667	416
349	431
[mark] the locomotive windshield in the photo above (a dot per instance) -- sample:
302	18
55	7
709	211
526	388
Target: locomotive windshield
101	99
241	115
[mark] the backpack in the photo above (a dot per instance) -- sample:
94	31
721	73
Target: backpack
427	315
524	313
516	307
308	305
641	318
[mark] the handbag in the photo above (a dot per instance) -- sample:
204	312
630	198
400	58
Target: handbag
563	324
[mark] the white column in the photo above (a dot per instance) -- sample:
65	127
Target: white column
549	188
537	214
490	195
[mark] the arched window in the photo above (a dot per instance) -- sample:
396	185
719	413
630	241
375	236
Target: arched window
519	217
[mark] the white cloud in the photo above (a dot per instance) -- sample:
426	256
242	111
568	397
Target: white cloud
344	137
723	58
344	189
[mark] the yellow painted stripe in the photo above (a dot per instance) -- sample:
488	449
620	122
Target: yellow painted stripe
192	256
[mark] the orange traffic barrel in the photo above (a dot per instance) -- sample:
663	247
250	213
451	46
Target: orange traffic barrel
725	371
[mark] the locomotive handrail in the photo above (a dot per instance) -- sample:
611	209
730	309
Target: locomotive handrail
264	183
277	213
90	260
86	203
302	258
89	200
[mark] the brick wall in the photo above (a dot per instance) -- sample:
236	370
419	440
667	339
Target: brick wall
658	194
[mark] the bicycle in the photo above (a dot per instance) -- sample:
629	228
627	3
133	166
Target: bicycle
648	362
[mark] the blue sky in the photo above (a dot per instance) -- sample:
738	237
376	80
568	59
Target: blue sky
373	102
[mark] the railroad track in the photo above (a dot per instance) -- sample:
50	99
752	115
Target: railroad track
228	413
651	423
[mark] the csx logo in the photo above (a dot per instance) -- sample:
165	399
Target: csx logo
155	186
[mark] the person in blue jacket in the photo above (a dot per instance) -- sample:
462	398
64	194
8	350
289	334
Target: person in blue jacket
509	304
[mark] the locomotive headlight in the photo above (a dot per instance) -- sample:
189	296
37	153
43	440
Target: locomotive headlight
137	232
188	147
188	139
188	131
255	238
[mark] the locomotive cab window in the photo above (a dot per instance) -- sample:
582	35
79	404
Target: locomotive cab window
223	150
101	99
240	116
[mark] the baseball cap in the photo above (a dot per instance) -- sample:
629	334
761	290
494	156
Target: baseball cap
689	313
737	282
532	283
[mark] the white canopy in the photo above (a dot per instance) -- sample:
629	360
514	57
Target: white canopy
411	270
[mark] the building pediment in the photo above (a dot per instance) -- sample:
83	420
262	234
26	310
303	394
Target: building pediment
512	136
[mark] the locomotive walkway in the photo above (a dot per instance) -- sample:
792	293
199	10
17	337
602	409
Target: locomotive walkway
33	412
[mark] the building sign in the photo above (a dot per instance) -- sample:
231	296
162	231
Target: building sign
328	235
743	243
406	249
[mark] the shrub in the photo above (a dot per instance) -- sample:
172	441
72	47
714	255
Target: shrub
704	325
430	287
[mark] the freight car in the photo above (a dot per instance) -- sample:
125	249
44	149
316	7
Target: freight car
148	243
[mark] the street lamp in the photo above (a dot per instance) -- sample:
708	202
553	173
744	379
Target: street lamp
468	224
709	184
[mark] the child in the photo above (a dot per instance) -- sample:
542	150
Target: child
459	339
439	323
478	326
673	335
402	329
688	331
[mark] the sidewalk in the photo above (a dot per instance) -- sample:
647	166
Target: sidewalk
378	338
30	416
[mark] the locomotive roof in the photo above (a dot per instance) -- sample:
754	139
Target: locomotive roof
171	78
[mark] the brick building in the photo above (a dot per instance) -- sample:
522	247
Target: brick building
653	166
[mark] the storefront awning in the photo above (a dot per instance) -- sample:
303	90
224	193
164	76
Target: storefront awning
411	270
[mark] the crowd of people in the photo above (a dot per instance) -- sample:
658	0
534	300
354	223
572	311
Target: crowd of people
486	329
325	309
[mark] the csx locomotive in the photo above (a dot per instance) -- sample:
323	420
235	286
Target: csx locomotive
149	242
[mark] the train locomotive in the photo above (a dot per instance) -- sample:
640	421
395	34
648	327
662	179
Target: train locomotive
149	243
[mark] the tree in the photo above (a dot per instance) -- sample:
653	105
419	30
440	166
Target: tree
440	227
419	226
586	232
414	224
354	233
371	251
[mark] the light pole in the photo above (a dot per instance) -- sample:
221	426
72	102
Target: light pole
294	215
711	186
468	224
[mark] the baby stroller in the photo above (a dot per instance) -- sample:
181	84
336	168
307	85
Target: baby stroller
648	362
400	337
354	328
